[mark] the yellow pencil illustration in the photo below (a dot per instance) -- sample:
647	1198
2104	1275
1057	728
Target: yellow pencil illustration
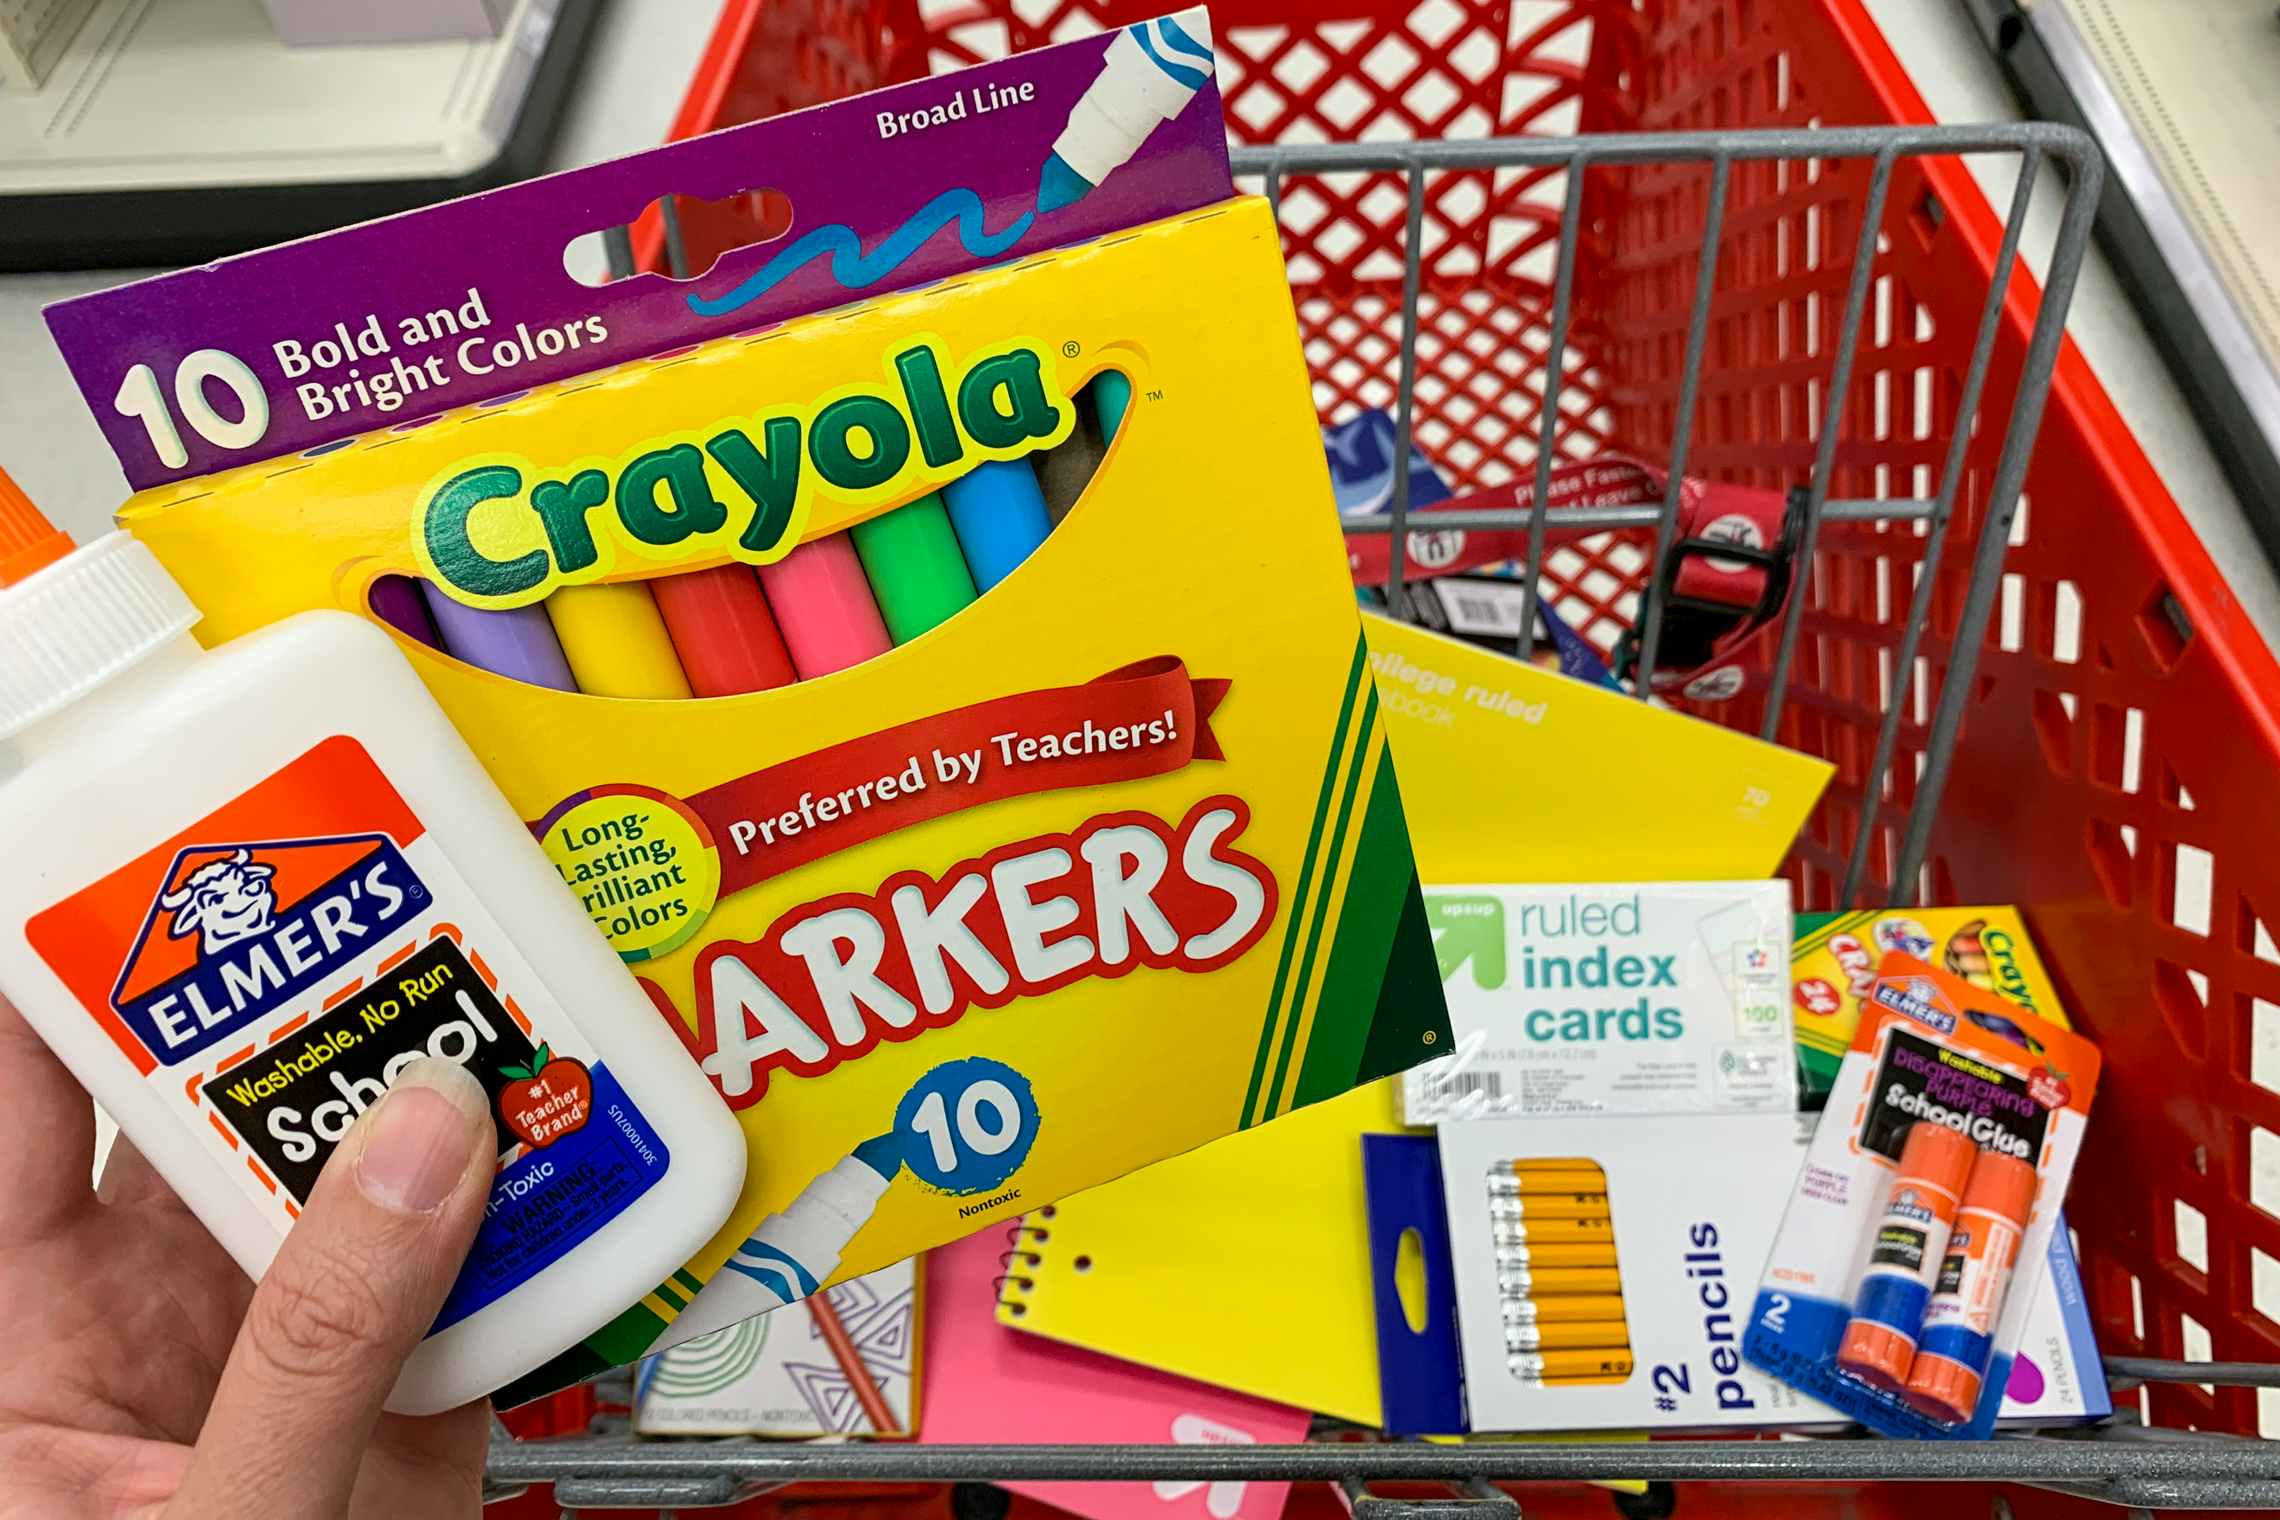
1611	1364
1573	1306
1562	1335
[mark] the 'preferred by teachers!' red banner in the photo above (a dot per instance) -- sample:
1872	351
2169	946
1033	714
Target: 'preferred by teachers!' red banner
1145	719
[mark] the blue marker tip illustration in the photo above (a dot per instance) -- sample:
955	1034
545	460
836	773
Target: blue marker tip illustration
1150	73
789	1254
882	1155
1059	185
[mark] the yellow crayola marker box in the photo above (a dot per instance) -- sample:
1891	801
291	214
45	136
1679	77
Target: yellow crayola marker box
1106	862
1833	960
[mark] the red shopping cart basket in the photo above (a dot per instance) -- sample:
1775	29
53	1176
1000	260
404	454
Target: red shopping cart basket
2119	757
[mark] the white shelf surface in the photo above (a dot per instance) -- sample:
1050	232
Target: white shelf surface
639	58
112	114
2201	86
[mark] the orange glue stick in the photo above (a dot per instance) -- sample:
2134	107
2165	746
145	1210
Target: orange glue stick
1959	1326
1911	1244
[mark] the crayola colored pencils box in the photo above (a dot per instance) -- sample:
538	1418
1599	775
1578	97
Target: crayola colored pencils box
983	839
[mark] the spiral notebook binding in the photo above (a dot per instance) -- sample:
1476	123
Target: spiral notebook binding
1021	1240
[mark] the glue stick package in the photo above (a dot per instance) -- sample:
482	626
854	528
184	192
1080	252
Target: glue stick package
866	626
1939	1166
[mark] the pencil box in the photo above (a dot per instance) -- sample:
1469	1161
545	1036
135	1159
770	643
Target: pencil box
2055	1377
1106	862
1658	1226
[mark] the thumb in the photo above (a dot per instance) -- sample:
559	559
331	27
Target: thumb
351	1292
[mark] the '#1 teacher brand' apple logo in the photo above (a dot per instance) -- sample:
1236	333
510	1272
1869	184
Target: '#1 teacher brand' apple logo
547	1099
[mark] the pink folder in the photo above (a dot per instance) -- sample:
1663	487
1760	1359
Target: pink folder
987	1383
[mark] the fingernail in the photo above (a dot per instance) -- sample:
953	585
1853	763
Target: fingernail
419	1138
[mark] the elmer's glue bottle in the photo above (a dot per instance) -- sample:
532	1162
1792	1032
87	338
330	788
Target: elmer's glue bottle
245	887
1959	1325
1910	1244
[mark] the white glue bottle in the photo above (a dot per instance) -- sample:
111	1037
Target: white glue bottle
245	887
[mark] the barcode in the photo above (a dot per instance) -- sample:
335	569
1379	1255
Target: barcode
1481	608
1490	610
1463	1084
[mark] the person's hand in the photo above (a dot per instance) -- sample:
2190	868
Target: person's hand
141	1374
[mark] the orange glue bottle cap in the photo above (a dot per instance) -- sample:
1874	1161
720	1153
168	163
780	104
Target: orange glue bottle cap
1947	1391
28	541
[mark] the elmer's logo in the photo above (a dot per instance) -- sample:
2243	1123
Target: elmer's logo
236	930
500	531
1918	999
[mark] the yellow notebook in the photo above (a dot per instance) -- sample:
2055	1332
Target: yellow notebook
1246	1263
1510	773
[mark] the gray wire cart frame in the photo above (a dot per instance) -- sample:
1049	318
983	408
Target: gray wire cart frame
2119	1462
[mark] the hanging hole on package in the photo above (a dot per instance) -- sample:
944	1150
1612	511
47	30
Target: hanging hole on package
371	364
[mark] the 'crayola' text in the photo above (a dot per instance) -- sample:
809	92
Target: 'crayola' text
499	531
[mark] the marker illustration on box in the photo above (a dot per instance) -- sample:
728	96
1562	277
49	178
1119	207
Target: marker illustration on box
518	642
723	629
794	1250
855	269
1000	518
1150	74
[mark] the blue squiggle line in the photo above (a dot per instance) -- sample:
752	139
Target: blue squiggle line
854	269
